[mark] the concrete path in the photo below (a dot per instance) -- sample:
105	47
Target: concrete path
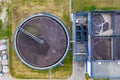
78	71
7	77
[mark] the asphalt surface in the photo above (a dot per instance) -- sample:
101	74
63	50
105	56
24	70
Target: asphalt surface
78	71
7	77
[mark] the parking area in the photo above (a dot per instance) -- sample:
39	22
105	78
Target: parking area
4	60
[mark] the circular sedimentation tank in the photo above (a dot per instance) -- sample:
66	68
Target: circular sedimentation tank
42	41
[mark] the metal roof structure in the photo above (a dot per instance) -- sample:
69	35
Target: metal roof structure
80	31
103	49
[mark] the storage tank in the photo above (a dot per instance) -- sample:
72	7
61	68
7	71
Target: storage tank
42	41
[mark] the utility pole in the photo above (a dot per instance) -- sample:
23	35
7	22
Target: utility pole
70	10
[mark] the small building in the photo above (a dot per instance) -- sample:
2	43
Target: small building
4	57
80	35
4	62
5	69
3	47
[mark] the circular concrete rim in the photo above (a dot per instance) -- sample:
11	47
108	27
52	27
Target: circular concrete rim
68	41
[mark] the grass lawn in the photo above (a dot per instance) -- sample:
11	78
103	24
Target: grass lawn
87	5
21	9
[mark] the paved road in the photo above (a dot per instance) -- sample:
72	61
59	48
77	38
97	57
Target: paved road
6	77
78	71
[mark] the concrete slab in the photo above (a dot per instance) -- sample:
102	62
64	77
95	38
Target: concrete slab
78	71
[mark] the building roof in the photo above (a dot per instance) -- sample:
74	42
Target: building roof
107	69
104	39
3	47
5	69
103	58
